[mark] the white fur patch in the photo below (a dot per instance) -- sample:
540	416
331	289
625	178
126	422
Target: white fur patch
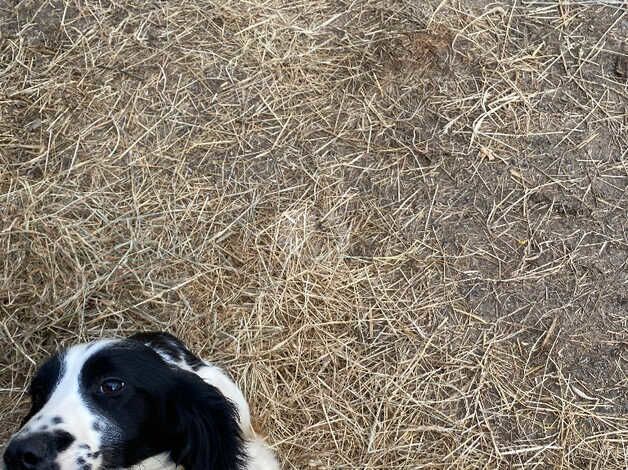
66	410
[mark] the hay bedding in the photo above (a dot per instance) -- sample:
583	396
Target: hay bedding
401	225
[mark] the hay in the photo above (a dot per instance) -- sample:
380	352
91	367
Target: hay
401	225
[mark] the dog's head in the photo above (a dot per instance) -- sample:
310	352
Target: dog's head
115	403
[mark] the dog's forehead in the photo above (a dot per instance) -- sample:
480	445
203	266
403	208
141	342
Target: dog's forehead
63	368
75	364
74	358
123	357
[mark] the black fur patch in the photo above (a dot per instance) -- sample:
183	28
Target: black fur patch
43	383
161	409
170	346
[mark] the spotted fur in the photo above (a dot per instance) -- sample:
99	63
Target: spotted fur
145	402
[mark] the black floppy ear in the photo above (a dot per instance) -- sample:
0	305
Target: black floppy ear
169	347
205	427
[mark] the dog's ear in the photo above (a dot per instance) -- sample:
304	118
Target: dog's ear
205	427
169	347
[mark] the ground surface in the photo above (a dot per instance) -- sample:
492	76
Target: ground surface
401	225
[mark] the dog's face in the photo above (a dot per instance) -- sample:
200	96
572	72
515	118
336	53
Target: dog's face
116	403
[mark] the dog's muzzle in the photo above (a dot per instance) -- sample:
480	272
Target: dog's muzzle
36	451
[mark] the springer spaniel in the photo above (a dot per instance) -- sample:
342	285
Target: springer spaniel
142	403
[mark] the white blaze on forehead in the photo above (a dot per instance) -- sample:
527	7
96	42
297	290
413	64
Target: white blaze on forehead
66	409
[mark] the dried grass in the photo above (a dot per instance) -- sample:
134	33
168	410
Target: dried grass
401	225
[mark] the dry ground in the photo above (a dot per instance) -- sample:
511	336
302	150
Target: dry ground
400	224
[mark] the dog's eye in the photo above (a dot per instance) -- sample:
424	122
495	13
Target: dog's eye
111	387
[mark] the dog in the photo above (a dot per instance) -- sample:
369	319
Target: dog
141	403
